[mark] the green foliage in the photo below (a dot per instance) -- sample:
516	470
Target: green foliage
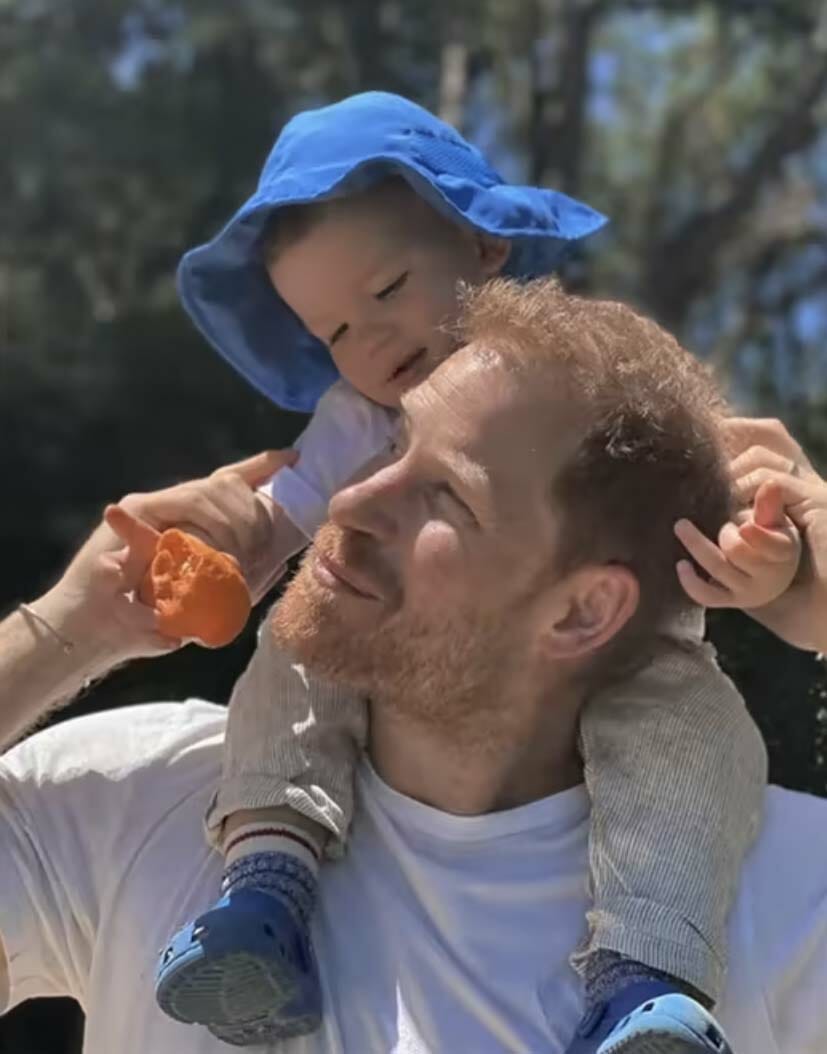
132	129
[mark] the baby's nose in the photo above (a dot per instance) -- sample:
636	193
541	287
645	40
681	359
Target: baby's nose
379	339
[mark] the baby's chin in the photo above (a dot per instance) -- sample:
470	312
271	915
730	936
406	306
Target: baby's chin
420	371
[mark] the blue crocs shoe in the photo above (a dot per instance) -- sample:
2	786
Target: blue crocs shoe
667	1024
649	1017
245	969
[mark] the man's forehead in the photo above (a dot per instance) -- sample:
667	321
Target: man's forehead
474	406
473	386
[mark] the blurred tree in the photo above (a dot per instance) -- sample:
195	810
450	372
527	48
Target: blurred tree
132	129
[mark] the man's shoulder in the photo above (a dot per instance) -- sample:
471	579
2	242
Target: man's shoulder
792	815
778	933
119	743
784	888
793	830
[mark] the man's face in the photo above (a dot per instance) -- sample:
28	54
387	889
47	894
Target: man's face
431	571
376	284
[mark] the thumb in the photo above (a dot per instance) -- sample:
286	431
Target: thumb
260	467
140	540
768	506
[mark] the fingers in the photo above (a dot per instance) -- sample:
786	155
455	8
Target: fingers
749	568
759	457
135	623
738	551
222	510
793	489
131	530
259	468
770	546
140	541
768	505
202	508
707	594
709	556
741	433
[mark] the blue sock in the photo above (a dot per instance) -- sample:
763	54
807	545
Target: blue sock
606	973
281	875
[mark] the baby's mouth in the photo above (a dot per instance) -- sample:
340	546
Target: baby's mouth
408	367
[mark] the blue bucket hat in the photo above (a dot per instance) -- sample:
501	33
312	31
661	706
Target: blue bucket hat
332	152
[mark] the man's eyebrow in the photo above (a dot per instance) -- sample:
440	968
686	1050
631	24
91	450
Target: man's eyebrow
466	472
463	469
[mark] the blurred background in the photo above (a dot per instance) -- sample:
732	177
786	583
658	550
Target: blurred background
131	130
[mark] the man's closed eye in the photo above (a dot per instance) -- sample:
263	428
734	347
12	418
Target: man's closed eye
445	493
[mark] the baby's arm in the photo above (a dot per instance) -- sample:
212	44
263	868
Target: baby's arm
345	432
293	741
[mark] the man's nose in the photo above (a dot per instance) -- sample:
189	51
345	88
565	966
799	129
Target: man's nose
370	503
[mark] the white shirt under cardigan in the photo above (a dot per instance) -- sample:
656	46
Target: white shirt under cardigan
435	933
344	433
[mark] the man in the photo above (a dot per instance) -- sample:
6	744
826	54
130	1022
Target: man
452	918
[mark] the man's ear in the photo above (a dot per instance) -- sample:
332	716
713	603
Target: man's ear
591	606
493	253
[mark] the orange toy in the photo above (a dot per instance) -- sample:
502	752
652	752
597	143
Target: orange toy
198	592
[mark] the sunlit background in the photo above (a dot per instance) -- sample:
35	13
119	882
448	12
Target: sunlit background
131	130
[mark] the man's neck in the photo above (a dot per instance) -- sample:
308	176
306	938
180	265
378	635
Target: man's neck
515	752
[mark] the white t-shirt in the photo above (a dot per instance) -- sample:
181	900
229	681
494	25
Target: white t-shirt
344	433
435	933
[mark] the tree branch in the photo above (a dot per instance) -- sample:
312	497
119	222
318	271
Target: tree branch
558	113
454	71
678	270
667	149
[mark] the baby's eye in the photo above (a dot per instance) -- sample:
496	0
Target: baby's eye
394	287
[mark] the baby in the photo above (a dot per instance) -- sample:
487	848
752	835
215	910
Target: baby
332	290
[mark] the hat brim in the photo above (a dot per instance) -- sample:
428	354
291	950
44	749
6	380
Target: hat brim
224	286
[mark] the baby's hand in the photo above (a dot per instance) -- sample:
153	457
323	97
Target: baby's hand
754	562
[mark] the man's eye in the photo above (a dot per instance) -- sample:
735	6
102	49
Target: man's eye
447	493
394	287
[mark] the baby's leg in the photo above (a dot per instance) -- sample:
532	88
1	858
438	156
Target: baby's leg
246	967
676	771
291	747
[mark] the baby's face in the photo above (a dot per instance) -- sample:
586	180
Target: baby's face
376	284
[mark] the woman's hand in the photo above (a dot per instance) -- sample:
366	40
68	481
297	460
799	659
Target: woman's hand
766	454
754	561
226	511
771	475
93	605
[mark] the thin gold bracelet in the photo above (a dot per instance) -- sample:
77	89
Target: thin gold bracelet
67	645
